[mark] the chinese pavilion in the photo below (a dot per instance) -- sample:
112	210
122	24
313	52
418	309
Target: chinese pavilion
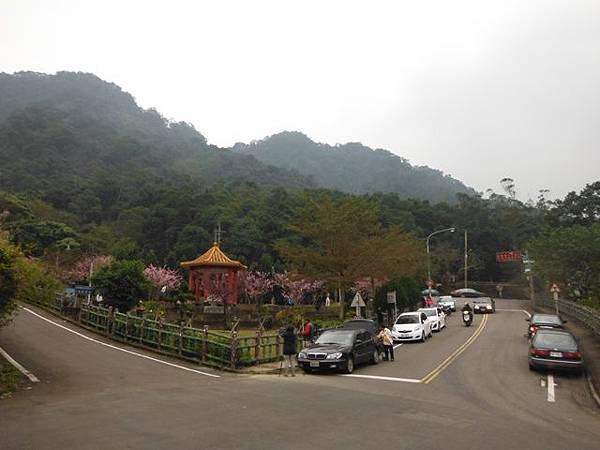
214	274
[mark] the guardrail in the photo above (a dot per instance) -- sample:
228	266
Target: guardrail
219	349
589	316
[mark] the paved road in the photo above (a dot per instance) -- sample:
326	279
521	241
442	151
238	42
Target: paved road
93	396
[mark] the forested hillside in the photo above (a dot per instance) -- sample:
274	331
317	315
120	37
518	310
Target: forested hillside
354	168
61	132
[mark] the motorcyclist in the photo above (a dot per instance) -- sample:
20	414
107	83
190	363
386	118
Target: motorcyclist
468	309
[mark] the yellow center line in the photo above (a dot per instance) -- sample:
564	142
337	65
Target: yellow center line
435	372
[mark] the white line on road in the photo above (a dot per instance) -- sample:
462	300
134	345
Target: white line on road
22	369
397	345
515	310
375	377
551	388
120	349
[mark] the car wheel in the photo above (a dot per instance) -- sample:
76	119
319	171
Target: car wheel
423	336
350	364
375	359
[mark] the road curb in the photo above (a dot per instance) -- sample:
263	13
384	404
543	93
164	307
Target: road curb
595	395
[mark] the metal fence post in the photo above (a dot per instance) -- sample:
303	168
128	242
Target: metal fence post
180	348
234	344
204	343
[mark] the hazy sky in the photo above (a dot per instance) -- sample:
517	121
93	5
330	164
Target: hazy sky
481	90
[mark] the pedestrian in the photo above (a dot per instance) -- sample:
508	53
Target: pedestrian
499	289
388	343
289	349
327	300
307	330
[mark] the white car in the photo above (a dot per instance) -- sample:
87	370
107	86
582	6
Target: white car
412	326
436	316
447	302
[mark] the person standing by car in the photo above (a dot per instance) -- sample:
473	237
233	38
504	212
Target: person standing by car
289	349
388	343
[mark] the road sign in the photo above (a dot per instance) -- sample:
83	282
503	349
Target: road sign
512	256
391	297
555	288
357	301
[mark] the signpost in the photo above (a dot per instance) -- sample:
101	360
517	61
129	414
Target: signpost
555	291
391	299
358	302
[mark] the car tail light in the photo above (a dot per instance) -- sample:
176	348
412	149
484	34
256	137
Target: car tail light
539	352
572	355
532	329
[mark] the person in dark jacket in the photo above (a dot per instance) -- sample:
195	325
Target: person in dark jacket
289	349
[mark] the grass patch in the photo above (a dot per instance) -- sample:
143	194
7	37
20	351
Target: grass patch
9	377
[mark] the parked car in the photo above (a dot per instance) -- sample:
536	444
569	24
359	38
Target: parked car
467	293
555	349
412	326
437	318
484	305
364	324
339	349
538	321
447	303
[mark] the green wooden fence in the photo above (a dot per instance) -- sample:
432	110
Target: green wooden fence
218	349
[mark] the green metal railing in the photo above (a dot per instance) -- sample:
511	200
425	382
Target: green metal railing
589	316
219	349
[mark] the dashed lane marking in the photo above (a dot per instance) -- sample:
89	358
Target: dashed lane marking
450	359
139	355
551	397
19	367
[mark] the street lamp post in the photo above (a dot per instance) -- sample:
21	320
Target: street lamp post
451	230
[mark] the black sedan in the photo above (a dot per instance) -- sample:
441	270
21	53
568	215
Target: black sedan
554	349
538	321
484	305
340	350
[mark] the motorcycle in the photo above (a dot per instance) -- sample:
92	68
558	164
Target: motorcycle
467	318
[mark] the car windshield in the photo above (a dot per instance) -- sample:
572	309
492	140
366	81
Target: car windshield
481	301
407	319
335	337
546	318
430	312
560	341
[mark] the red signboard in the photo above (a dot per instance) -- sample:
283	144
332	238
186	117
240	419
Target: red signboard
514	256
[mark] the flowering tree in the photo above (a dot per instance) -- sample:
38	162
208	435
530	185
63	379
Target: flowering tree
257	284
162	277
81	271
296	288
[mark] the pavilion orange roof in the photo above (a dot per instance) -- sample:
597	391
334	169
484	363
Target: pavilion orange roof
213	257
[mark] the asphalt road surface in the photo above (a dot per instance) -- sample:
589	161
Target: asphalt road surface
466	388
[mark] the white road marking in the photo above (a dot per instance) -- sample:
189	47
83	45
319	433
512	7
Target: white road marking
22	369
375	377
542	382
551	388
515	310
121	349
397	345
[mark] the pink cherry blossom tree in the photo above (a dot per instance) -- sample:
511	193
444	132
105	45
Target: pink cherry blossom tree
162	278
91	263
257	284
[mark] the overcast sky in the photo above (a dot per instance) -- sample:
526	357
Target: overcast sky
481	90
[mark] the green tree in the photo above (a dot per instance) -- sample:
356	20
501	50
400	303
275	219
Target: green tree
570	256
338	239
8	280
122	283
